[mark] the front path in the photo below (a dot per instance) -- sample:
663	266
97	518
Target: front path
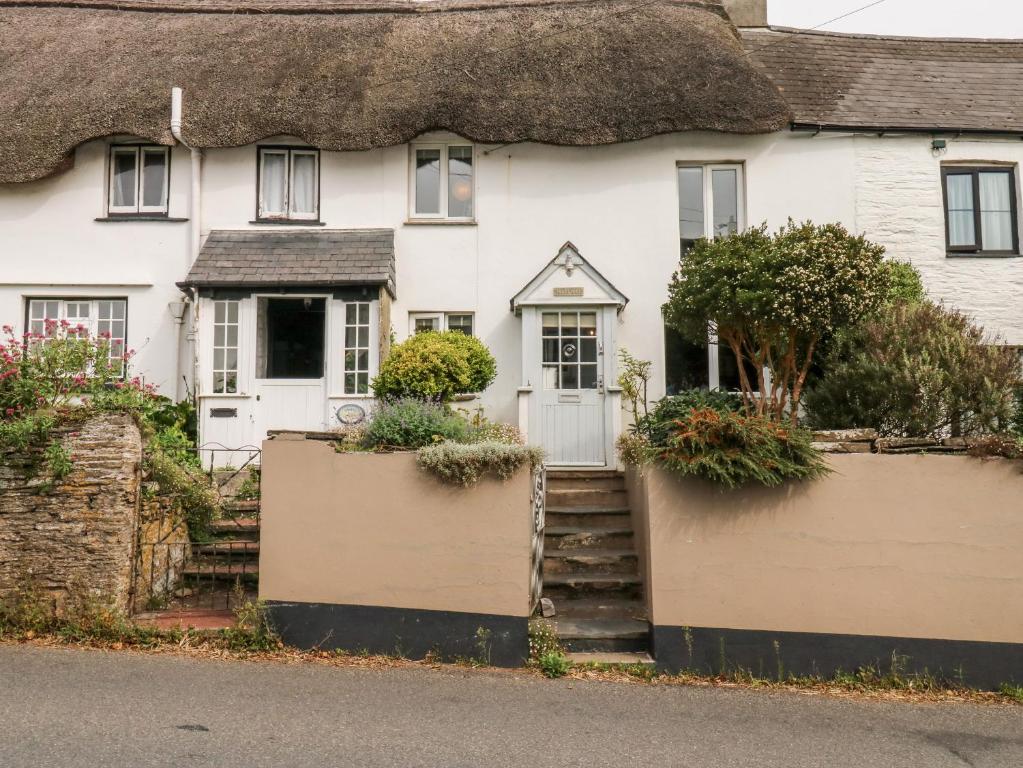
93	708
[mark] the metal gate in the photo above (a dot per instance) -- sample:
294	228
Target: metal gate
538	511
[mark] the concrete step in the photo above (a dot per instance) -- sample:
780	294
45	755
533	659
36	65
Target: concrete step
562	586
603	634
590	561
575	537
561	474
600	608
624	659
582	481
585	517
593	498
199	619
236	548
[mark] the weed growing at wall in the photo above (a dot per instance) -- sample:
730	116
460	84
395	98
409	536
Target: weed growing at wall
466	464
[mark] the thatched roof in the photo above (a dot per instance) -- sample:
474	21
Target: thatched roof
355	75
893	83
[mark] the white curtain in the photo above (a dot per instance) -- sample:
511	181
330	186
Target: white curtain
303	181
273	181
124	180
960	210
996	211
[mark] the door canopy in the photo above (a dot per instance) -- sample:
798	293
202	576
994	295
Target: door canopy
568	279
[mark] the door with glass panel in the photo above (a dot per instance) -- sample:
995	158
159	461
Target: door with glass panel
572	401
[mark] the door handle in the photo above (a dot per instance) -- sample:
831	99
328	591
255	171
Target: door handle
600	384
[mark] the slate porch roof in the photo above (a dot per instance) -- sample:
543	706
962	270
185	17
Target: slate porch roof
893	83
262	259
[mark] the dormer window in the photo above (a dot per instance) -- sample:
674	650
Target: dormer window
289	184
442	184
139	180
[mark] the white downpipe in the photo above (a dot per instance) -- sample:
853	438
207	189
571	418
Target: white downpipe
194	223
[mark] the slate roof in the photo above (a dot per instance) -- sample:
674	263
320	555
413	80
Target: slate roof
862	81
262	259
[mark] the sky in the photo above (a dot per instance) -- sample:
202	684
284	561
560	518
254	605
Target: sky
918	18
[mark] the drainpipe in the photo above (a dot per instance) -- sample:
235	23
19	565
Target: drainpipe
194	223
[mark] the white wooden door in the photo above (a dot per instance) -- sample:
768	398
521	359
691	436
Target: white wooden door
572	399
290	404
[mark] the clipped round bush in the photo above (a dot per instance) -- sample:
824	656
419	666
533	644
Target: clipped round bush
412	423
435	366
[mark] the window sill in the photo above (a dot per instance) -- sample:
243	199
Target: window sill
442	222
981	255
290	222
132	217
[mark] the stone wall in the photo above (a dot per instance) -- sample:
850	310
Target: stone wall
81	533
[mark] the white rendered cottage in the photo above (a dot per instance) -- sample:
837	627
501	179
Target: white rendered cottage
524	172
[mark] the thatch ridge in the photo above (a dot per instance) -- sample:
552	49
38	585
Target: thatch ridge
572	72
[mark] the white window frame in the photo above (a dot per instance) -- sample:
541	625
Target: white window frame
139	151
288	213
226	324
368	325
94	319
442	214
440	317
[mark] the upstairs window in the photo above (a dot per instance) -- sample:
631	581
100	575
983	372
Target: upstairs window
139	180
980	210
710	202
289	184
442	181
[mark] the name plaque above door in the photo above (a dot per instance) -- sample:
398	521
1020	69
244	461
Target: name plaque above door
569	291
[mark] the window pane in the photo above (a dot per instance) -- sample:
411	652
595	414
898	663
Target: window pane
550	377
303	183
460	323
154	179
362	387
550	350
569	324
427	181
273	181
363	336
587	324
219	311
351	314
122	194
685	363
690	203
218	382
427	324
961	230
588	377
569	377
550	323
364	313
460	182
996	211
588	350
725	189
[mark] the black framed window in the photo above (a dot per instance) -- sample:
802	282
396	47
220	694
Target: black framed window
980	210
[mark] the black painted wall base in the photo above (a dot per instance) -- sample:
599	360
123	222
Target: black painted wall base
765	654
502	641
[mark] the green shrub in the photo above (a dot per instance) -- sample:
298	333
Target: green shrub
733	450
905	285
435	366
554	664
773	298
916	370
659	423
465	464
412	423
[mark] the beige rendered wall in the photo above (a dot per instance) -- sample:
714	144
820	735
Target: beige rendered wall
375	530
907	545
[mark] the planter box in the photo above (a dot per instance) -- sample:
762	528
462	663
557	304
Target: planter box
367	551
916	556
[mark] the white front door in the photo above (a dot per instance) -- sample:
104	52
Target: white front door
572	399
290	384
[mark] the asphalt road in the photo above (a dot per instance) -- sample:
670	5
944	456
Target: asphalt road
63	707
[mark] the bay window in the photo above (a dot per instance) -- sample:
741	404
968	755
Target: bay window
289	184
980	210
442	185
139	180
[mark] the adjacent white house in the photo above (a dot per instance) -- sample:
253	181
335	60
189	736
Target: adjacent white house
331	179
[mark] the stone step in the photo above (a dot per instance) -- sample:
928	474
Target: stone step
611	586
232	547
558	517
235	526
198	619
600	608
237	506
603	634
592	498
212	570
590	561
574	537
640	658
583	482
560	474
